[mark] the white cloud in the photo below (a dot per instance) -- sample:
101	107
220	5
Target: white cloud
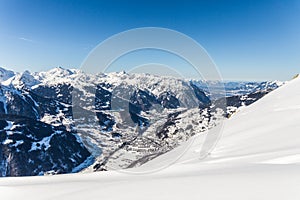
25	39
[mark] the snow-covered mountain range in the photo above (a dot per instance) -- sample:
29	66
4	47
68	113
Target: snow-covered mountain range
63	120
256	158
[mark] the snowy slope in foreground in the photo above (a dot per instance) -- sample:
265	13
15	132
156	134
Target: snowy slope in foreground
258	157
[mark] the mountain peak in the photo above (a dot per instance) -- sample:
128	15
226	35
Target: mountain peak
60	70
53	74
5	74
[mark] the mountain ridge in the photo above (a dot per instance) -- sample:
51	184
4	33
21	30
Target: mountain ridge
121	118
257	158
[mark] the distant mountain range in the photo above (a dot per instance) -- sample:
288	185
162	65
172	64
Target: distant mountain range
65	120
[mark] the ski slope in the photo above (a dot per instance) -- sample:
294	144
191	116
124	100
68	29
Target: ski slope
257	157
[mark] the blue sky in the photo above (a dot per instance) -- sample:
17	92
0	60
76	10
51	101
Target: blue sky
248	40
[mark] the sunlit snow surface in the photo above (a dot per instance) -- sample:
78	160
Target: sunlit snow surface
258	157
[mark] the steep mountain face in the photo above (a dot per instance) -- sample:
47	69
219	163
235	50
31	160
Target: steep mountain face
36	136
30	147
234	102
62	119
5	74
